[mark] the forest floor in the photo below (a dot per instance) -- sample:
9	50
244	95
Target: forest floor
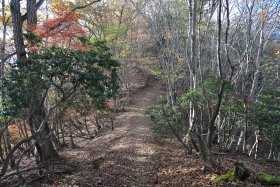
132	155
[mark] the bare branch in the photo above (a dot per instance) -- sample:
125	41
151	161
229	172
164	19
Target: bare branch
86	5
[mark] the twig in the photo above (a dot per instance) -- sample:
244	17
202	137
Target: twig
21	157
20	172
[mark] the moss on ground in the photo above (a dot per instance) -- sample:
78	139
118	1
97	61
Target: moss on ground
228	177
266	179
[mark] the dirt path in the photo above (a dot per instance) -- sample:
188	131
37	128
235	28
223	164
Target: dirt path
132	156
125	154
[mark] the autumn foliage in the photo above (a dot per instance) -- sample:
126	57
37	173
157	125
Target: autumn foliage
61	31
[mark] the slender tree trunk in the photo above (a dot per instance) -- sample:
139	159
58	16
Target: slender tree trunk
2	64
9	147
62	132
239	143
255	83
70	123
192	31
2	75
204	152
5	151
245	129
1	140
257	148
255	144
270	155
211	124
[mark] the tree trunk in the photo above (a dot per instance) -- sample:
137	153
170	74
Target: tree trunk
2	75
244	149
270	155
204	153
31	15
86	125
62	132
240	140
72	144
18	32
257	148
255	144
211	125
43	144
2	56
